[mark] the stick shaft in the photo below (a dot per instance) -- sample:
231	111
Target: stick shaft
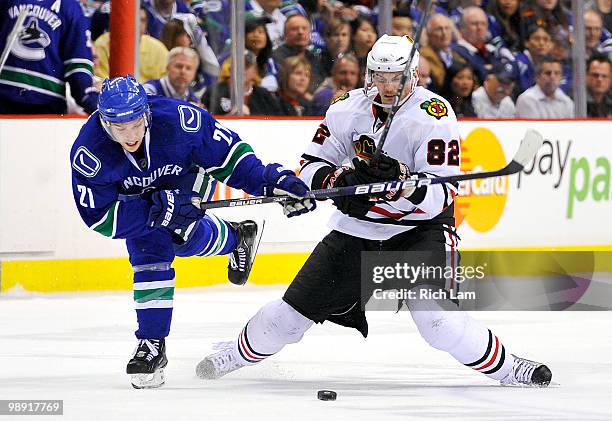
526	152
512	168
12	37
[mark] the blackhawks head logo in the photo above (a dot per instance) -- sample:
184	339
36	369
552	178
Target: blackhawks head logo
435	108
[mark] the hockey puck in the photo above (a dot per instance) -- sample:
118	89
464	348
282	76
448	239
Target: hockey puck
326	395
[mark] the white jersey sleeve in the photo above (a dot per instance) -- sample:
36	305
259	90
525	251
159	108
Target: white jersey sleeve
328	148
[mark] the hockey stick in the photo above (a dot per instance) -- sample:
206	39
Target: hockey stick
12	37
527	150
403	80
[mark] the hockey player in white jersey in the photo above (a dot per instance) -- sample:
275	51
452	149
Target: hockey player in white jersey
424	141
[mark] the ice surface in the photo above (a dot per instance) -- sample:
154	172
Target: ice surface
75	346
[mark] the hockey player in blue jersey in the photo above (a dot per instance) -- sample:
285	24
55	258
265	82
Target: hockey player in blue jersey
52	49
140	167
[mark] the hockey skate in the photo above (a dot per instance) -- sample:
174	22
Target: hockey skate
241	259
527	373
147	364
218	364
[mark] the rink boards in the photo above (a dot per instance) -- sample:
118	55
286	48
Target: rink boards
561	201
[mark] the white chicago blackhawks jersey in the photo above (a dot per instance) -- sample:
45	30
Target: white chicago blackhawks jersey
424	135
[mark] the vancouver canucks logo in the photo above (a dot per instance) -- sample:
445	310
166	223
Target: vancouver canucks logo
31	42
435	108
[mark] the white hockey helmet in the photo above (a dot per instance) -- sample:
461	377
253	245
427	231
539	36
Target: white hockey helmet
391	54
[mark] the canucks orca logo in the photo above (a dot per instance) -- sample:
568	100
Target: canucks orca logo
31	43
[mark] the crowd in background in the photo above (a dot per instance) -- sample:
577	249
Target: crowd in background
489	59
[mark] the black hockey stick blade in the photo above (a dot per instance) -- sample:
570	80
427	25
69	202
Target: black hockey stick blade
527	150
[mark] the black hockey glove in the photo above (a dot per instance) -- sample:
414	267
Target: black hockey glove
174	210
382	169
352	205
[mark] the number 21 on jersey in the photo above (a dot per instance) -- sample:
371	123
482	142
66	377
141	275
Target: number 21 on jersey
86	199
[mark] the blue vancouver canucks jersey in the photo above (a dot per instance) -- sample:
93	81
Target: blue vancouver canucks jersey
107	180
51	49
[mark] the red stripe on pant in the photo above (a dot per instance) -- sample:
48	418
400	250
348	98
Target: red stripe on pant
492	359
244	348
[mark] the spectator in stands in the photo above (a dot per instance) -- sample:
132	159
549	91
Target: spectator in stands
173	34
439	52
492	100
547	13
599	97
338	42
350	10
89	7
473	46
594	32
344	78
100	20
159	12
538	46
561	51
257	41
363	37
545	99
97	81
456	8
593	25
315	12
296	42
214	16
459	84
152	54
505	22
183	31
44	58
294	81
604	8
257	100
181	70
271	9
425	79
417	7
401	24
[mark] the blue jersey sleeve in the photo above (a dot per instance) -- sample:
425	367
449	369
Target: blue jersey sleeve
226	157
78	62
98	201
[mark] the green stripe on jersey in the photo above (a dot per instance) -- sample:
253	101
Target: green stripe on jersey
71	67
106	225
142	296
32	80
225	171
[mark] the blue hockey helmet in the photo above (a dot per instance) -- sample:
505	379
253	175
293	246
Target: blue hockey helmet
122	99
